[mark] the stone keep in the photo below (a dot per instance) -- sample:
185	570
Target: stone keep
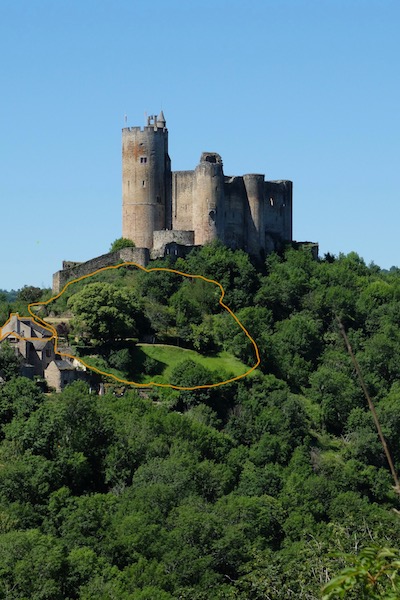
146	182
196	207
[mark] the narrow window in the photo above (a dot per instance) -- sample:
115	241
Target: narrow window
143	184
271	201
143	159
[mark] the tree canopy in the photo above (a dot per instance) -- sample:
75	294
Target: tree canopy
104	312
274	486
121	243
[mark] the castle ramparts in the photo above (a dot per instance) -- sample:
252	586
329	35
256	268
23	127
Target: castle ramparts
141	256
168	212
245	212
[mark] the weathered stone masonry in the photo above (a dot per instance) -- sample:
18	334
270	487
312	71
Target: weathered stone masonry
242	211
73	270
168	212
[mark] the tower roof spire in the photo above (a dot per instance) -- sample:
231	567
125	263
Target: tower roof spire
161	122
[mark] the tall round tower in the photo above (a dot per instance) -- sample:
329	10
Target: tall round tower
254	185
146	181
208	199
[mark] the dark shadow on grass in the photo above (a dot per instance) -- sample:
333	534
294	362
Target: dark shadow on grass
146	365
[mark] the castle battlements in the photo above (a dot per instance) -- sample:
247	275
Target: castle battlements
169	212
243	211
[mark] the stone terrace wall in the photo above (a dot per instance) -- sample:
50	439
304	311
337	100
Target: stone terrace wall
161	238
140	256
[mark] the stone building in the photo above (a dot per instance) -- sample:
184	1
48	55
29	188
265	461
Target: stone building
31	342
160	206
167	212
34	345
60	373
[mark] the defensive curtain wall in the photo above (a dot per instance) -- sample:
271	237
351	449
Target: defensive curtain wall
72	270
167	212
247	212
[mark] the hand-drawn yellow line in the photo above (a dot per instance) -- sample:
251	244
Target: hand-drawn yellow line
152	383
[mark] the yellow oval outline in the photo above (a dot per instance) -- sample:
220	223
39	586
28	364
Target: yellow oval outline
151	383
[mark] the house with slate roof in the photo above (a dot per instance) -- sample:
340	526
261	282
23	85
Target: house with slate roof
34	344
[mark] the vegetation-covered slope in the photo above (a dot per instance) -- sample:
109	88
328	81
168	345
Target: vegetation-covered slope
239	492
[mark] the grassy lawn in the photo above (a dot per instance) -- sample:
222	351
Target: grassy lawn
171	356
168	357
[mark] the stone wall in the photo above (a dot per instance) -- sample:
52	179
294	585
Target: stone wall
140	256
182	200
161	238
235	213
278	209
243	212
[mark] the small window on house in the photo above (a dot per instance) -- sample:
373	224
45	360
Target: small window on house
143	160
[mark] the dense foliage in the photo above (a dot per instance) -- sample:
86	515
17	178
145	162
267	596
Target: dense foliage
264	488
121	243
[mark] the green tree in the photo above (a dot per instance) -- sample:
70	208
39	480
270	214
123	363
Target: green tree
104	312
10	364
337	394
296	346
374	574
19	398
188	373
121	243
232	269
32	565
29	293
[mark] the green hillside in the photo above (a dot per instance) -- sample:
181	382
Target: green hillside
268	487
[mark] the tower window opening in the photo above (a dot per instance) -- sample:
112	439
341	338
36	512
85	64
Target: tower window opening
143	184
143	160
271	201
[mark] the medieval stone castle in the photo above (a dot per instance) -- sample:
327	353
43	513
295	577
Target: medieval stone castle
168	212
196	207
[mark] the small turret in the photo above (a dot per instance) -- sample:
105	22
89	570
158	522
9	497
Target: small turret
161	122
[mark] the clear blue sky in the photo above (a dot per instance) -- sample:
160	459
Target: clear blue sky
296	89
